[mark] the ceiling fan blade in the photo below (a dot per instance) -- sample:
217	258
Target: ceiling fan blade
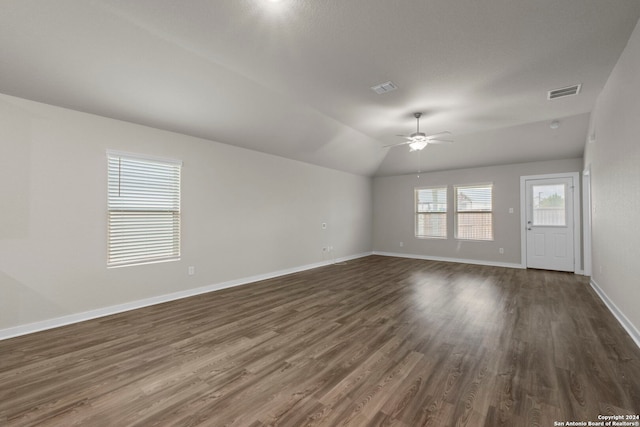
397	145
446	132
420	139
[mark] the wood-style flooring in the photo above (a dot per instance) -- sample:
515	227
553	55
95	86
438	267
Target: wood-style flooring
379	341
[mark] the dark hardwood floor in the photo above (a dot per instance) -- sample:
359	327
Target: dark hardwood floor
379	341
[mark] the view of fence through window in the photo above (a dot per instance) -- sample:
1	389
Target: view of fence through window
549	205
431	212
474	212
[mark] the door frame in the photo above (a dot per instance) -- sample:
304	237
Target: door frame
577	209
586	220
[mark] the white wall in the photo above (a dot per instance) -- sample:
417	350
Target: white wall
393	207
244	213
614	159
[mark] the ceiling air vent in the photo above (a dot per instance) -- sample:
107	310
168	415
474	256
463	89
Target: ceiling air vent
564	91
384	87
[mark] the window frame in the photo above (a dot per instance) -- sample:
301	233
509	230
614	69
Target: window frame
143	209
457	212
443	214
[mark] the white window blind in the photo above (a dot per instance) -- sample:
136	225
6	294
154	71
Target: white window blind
474	212
144	210
431	212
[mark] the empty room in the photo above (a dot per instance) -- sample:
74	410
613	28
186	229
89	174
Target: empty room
319	213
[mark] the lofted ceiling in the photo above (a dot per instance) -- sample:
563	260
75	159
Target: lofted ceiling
293	77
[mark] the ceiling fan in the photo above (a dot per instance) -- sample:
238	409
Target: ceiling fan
418	140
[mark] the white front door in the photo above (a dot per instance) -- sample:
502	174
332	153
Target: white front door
549	204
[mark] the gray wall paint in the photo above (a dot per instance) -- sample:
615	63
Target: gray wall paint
614	158
53	216
244	213
393	208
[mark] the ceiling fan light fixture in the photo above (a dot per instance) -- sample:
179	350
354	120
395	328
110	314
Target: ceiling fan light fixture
418	144
418	136
418	139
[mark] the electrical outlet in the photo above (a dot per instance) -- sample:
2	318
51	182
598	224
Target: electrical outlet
324	225
191	270
501	250
401	244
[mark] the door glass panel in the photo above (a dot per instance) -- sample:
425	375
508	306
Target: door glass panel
548	205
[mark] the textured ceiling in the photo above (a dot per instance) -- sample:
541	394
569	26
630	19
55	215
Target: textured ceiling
292	78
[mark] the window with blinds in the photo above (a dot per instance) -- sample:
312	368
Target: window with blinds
144	209
431	212
474	212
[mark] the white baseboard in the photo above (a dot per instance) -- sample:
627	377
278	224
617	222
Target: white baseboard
626	323
458	260
29	328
